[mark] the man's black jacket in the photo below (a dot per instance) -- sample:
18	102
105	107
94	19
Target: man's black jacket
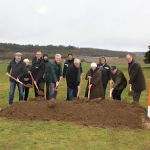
37	69
67	65
16	69
73	77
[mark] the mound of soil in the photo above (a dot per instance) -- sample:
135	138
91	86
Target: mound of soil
99	113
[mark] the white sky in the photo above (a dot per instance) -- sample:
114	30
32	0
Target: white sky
110	24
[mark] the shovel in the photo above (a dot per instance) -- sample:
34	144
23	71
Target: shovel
25	85
79	87
57	84
38	91
110	90
131	92
56	88
89	91
78	92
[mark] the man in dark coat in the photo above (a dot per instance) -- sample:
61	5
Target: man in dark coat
96	85
37	71
26	79
49	76
69	62
73	79
106	72
57	66
120	83
137	79
16	68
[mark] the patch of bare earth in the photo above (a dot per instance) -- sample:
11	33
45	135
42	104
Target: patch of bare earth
98	113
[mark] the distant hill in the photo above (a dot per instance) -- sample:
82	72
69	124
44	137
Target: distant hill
7	51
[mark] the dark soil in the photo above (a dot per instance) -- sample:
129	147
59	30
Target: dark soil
99	113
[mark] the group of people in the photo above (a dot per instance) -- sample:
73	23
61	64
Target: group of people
45	73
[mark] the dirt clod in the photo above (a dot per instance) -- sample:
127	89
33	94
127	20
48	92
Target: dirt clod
99	113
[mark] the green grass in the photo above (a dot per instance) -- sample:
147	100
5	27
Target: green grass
53	135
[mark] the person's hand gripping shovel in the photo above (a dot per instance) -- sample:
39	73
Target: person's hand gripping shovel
17	80
89	87
41	93
79	87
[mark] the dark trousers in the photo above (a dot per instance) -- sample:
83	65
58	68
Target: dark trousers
41	88
136	96
26	93
53	93
12	91
105	87
48	90
71	93
116	94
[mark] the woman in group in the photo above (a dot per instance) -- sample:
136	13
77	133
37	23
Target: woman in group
26	79
94	85
106	72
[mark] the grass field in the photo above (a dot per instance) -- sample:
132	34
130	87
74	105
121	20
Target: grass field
53	135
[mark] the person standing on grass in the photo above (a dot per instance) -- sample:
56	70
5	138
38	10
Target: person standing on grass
16	68
73	79
69	63
106	72
137	79
57	67
95	85
120	83
26	79
49	76
37	71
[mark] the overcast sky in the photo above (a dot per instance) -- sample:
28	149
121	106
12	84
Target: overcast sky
111	24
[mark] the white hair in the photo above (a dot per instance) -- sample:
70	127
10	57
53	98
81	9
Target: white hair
76	60
26	60
93	65
58	56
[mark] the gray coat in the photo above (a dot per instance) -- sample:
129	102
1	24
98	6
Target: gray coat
137	79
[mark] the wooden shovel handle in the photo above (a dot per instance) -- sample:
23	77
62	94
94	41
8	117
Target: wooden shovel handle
89	90
34	81
78	92
81	77
130	87
110	90
15	79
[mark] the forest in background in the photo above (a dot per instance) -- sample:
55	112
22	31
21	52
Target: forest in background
7	51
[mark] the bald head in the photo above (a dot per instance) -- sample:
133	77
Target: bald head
129	58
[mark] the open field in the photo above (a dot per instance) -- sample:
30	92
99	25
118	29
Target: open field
65	135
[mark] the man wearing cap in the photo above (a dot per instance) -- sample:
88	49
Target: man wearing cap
26	78
94	85
16	68
49	76
106	72
137	79
57	67
120	83
73	79
37	71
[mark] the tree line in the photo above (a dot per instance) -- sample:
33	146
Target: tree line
7	50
